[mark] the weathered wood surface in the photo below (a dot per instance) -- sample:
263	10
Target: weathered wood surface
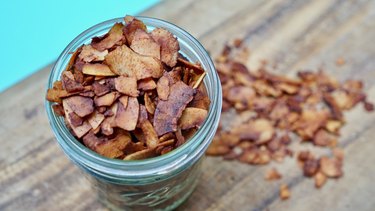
36	175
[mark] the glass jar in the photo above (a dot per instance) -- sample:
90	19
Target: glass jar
160	183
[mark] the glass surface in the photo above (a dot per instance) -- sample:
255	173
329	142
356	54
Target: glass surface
162	182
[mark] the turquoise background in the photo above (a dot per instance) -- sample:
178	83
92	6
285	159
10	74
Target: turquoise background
34	32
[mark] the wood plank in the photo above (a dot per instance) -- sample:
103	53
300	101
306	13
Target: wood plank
261	194
295	34
23	112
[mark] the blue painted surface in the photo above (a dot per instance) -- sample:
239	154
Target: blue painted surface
35	32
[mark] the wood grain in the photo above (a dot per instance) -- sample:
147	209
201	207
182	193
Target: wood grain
295	35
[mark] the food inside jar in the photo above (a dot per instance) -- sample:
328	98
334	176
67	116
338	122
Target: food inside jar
130	94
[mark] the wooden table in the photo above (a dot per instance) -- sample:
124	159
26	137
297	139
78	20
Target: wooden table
36	175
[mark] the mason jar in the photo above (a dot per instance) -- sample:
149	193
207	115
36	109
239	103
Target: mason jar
159	183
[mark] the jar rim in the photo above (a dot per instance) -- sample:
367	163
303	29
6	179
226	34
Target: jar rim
179	156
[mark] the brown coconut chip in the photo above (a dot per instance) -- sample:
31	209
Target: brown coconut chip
87	94
143	116
166	150
174	75
69	82
185	75
335	109
89	54
166	137
73	59
124	100
107	99
324	138
74	119
240	95
260	130
88	80
309	122
200	100
127	86
134	147
169	46
331	167
272	174
58	85
100	89
79	131
229	139
192	117
235	153
310	167
368	106
113	37
109	122
320	179
82	106
168	112
143	44
265	89
97	70
112	148
106	127
265	105
58	109
255	156
166	143
333	126
273	78
150	106
123	61
217	150
165	147
146	84
139	155
95	119
338	153
162	87
127	118
132	25
150	134
284	192
180	138
55	95
196	67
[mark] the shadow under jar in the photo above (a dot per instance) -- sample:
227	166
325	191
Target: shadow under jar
160	183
